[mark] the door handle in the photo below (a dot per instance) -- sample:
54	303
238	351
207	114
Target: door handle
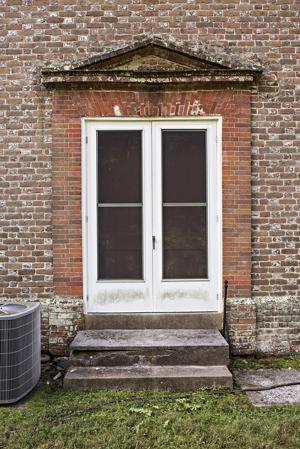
153	241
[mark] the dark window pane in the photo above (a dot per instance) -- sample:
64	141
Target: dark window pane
184	242
184	166
119	167
120	243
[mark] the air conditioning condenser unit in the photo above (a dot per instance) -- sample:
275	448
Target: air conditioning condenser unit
20	350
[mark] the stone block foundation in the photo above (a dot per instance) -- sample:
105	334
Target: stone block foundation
257	326
265	326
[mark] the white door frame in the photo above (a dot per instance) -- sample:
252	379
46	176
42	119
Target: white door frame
127	290
116	295
187	295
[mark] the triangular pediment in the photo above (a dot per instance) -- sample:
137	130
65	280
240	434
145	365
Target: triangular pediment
153	62
150	62
149	57
144	63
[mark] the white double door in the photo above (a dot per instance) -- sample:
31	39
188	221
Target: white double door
151	199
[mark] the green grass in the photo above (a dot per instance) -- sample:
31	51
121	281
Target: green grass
268	362
54	418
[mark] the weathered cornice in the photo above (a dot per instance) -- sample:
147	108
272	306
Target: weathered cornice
51	78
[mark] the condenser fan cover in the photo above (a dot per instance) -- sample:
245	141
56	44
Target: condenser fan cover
20	349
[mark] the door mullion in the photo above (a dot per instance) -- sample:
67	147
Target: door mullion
157	211
153	199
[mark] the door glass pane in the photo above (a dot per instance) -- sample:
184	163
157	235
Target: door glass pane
120	243
184	166
120	251
184	242
184	204
119	167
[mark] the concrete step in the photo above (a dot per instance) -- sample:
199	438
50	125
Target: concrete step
118	347
175	378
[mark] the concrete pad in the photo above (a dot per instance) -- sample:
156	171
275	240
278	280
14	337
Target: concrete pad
277	396
273	383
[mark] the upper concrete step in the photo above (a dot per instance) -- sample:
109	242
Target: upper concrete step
109	339
113	347
176	378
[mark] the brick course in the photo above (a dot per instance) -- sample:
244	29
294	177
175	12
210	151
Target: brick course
34	214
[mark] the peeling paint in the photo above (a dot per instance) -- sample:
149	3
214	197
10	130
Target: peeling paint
117	111
197	108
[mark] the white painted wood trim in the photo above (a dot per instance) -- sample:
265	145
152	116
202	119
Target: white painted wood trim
105	123
195	288
113	295
83	214
184	118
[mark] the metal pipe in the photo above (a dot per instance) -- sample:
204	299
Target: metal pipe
224	331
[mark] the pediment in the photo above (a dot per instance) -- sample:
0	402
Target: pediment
148	63
151	62
144	63
150	57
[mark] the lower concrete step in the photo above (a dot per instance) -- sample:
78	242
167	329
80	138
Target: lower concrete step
175	378
119	347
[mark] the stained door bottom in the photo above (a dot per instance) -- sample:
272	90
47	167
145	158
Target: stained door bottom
196	320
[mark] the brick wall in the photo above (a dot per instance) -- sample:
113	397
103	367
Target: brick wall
35	34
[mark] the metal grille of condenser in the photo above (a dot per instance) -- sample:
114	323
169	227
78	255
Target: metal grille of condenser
20	350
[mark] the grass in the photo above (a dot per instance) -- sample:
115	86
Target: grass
267	362
57	419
